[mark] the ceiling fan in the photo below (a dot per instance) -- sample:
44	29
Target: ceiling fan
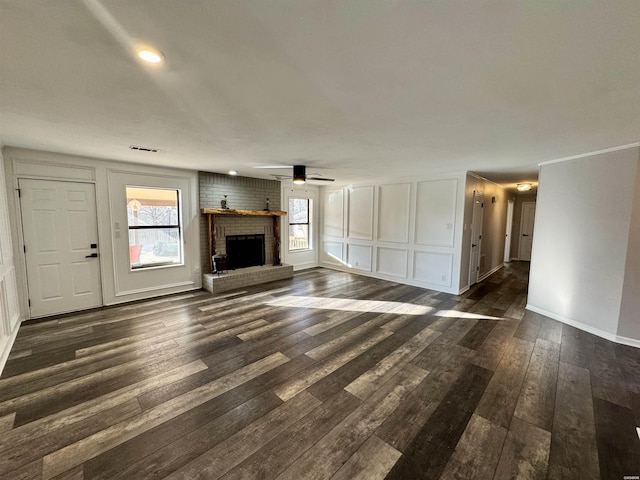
299	174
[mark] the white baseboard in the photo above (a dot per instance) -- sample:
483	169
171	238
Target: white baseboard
463	289
389	278
632	342
5	347
304	266
490	272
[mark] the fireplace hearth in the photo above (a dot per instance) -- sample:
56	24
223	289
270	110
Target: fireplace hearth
245	251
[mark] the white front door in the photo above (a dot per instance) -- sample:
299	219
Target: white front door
476	237
60	231
526	230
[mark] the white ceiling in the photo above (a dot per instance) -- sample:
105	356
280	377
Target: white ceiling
356	89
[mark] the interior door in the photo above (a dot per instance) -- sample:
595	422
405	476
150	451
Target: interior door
61	246
476	237
507	235
526	230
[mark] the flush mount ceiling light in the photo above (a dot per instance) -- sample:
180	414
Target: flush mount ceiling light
299	174
523	187
233	172
150	55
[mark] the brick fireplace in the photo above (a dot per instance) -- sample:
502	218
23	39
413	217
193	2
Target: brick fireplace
246	201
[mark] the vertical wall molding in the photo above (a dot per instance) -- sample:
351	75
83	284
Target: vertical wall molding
378	235
10	314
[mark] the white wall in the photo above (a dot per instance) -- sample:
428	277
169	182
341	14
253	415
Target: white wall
408	231
119	283
300	259
9	310
582	230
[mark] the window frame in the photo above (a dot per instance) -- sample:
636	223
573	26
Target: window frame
307	223
178	226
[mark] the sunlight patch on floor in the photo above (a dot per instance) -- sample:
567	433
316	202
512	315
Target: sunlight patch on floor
456	314
349	305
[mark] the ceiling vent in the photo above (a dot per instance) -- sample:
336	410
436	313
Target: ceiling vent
143	149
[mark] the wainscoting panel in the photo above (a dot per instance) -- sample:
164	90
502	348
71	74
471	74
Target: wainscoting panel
333	252
436	212
333	208
361	213
359	256
393	212
392	261
433	268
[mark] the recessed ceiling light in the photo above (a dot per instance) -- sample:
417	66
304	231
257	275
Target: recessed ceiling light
233	172
150	55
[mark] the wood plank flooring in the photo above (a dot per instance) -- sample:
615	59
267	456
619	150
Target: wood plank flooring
324	376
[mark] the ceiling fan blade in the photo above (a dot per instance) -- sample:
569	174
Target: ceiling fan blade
321	179
279	167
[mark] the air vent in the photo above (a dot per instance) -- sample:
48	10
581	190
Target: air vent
143	149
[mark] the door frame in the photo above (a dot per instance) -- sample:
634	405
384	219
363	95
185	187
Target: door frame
522	228
476	223
508	231
19	241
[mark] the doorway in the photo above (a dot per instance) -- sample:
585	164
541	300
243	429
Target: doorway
526	230
60	233
476	237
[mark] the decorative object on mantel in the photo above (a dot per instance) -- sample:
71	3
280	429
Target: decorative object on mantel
266	205
223	202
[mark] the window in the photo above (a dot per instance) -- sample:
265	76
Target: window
299	221
155	235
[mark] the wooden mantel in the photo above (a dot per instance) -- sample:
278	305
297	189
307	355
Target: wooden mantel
231	211
276	214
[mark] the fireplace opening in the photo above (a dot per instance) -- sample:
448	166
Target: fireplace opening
245	251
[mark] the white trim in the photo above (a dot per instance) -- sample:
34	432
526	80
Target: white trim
304	266
590	154
491	272
156	288
480	177
6	349
388	278
632	342
508	234
461	291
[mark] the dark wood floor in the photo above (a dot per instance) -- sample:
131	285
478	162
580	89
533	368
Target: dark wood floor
328	375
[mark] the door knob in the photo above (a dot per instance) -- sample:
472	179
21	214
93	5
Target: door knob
473	245
93	255
525	235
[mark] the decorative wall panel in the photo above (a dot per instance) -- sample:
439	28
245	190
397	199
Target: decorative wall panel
433	268
436	212
333	208
332	252
393	212
361	213
359	257
392	261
